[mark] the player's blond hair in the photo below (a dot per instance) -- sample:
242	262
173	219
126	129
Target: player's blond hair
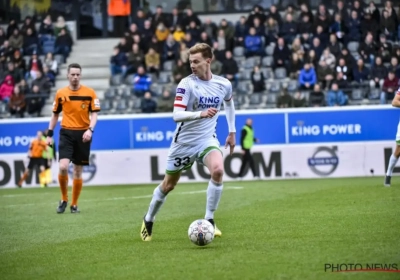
202	48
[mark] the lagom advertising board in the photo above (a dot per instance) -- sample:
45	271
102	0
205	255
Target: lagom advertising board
273	162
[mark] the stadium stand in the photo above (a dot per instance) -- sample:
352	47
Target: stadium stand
275	59
347	55
31	55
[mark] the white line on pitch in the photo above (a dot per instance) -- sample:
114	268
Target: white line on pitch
123	197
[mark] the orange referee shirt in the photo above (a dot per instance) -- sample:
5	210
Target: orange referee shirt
37	148
76	106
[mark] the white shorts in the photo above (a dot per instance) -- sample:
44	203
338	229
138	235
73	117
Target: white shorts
182	157
398	134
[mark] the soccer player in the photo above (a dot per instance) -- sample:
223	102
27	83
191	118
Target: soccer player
80	106
48	155
196	108
395	156
36	149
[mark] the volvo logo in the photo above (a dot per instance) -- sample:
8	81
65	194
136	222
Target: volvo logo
324	161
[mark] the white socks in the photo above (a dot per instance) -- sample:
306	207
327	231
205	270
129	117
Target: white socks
214	192
156	202
392	163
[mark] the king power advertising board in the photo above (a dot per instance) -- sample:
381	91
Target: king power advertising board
273	162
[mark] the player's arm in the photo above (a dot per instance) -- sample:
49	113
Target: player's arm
230	111
57	108
182	97
94	110
396	99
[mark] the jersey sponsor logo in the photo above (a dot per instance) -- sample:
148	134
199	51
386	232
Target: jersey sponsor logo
208	102
179	98
97	103
180	90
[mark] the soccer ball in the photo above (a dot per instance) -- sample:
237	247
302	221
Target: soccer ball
201	232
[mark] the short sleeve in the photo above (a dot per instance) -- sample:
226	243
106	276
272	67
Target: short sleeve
57	104
95	103
229	93
183	92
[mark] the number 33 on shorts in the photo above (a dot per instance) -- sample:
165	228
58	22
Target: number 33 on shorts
182	161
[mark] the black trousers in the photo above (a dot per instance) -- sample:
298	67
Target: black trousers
247	159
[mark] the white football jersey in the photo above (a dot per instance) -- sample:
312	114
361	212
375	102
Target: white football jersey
194	94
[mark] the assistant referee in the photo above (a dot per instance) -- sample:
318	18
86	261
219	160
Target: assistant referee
247	140
80	106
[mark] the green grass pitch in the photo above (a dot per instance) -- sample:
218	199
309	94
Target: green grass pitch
286	229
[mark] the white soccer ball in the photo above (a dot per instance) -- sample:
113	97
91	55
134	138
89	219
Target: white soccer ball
201	232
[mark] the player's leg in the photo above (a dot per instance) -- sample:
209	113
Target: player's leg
80	156
178	159
27	171
392	163
42	174
65	148
243	165
159	196
76	188
213	159
252	165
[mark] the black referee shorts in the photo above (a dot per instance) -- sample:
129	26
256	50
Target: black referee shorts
72	147
33	162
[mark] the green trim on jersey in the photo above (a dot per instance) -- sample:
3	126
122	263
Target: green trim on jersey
398	142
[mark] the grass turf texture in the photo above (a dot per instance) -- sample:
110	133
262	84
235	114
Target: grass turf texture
270	230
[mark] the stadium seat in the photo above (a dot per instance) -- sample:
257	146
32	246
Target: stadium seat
245	75
244	87
268	73
106	105
374	94
165	78
270	50
59	58
271	99
280	73
156	89
267	61
292	86
249	63
357	94
116	80
129	80
274	86
353	47
121	105
241	101
3	108
125	93
255	100
137	104
238	51
109	93
168	65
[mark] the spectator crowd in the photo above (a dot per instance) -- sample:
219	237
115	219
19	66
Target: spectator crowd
30	56
326	54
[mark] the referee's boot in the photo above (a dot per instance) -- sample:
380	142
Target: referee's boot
74	209
61	206
217	232
146	230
